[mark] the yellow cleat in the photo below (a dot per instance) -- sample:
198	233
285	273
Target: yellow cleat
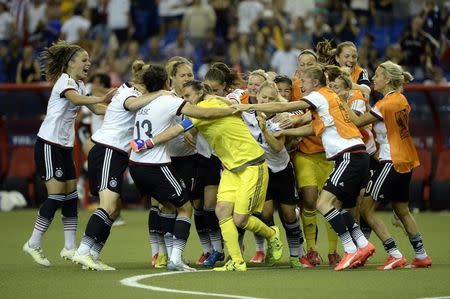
161	261
67	254
232	266
274	247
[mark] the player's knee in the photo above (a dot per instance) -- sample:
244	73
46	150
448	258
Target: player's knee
240	220
49	208
70	208
223	211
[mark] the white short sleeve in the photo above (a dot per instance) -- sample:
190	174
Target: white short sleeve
316	100
359	106
376	112
64	84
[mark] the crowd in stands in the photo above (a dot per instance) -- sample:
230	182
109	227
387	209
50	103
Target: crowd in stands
245	34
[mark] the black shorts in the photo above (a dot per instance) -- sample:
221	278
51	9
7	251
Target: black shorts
186	167
347	177
386	184
283	187
106	167
372	164
53	161
160	182
208	173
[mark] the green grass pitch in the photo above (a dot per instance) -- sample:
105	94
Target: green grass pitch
128	250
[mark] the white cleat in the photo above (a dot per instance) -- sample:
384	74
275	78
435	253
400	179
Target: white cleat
67	254
104	266
86	261
37	254
179	266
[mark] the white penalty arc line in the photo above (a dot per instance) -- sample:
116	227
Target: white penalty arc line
133	281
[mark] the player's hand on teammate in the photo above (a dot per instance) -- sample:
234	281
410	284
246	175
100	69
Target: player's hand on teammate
278	134
109	95
138	145
241	108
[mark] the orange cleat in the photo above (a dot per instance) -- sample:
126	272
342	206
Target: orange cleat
421	263
203	258
259	257
392	263
154	258
305	262
364	254
347	260
313	257
333	259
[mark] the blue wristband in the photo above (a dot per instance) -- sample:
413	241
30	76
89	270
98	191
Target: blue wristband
186	124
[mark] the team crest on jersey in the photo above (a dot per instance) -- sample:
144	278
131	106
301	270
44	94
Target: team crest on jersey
113	183
71	82
58	173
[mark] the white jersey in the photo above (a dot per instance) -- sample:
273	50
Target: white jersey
179	147
155	117
236	95
275	161
333	143
117	128
371	146
58	125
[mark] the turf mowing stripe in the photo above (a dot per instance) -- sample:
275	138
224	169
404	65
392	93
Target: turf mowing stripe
133	281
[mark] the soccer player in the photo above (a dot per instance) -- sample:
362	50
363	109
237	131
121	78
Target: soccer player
243	184
312	170
397	158
67	65
152	171
108	160
342	143
282	186
345	55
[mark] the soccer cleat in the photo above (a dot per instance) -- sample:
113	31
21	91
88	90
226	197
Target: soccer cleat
37	254
299	262
203	258
67	254
258	258
154	259
274	247
179	266
86	261
232	266
392	263
347	260
161	261
313	257
214	257
364	254
421	263
104	266
333	259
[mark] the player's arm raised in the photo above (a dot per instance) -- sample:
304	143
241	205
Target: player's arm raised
200	112
273	107
136	103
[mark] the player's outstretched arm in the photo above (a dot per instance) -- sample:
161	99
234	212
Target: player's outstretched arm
200	112
273	107
306	130
78	99
138	145
136	103
359	120
99	108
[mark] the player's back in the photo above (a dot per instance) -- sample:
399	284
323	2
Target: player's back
229	138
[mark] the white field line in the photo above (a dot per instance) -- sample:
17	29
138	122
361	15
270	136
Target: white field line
133	281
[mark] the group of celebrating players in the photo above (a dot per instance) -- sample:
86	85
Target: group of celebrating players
230	156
